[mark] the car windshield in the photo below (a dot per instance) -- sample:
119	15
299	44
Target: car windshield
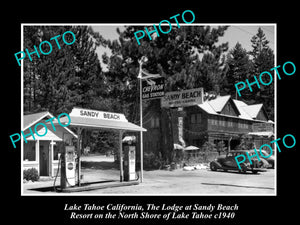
235	154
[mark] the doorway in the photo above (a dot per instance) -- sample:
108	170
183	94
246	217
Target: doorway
44	158
234	144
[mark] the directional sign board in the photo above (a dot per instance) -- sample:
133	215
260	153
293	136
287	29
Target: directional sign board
261	127
153	88
182	98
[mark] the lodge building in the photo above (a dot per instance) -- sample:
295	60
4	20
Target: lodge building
222	119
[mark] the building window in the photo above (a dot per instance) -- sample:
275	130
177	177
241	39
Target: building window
229	108
243	125
213	122
221	122
55	152
29	151
154	122
230	123
195	118
216	122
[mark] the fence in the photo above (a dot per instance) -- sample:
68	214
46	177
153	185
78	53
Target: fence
200	156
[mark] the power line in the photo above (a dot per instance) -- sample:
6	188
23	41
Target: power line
271	32
251	32
243	30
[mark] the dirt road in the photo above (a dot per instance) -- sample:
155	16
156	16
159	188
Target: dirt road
197	182
176	182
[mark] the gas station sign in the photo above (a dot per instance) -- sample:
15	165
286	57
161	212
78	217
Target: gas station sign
95	114
153	88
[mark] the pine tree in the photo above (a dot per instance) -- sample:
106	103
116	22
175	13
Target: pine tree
263	60
259	43
64	78
239	69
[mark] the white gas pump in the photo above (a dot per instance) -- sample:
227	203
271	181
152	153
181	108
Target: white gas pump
129	163
68	165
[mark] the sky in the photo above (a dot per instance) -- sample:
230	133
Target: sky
241	33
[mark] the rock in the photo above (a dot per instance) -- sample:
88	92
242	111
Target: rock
201	167
188	168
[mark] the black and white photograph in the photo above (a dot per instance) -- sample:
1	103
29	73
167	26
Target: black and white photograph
132	115
91	91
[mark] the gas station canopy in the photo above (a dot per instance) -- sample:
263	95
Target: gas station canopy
87	118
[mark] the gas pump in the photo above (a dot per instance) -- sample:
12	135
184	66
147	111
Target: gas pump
129	160
68	165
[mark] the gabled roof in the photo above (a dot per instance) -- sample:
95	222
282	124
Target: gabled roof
31	119
252	110
49	136
215	106
218	103
240	105
207	108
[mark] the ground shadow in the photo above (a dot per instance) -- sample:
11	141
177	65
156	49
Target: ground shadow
235	185
236	172
57	187
102	165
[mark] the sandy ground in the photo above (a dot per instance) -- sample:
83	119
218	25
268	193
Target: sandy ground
164	182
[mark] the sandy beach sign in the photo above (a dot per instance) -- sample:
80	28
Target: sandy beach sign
182	98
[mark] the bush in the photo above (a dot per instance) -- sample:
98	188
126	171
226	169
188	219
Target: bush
152	161
31	174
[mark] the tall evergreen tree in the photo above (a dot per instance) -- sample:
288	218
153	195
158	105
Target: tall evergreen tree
64	78
67	77
263	60
259	43
239	69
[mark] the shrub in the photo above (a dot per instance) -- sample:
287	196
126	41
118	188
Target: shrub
152	161
31	174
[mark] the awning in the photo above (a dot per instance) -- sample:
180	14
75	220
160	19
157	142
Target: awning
262	133
87	118
191	148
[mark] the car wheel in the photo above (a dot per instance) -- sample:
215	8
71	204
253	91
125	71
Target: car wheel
213	166
243	168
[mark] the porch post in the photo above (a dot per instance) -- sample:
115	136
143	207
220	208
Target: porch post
37	153
229	140
51	159
78	155
121	155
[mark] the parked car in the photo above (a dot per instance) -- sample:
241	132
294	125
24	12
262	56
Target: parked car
270	160
228	162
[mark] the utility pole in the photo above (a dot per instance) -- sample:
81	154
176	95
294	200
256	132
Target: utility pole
140	76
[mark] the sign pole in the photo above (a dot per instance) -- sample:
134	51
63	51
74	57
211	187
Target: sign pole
141	132
78	155
121	156
148	75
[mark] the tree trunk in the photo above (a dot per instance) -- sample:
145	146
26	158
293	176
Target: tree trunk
167	134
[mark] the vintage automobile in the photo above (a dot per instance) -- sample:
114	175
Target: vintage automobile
270	160
228	162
